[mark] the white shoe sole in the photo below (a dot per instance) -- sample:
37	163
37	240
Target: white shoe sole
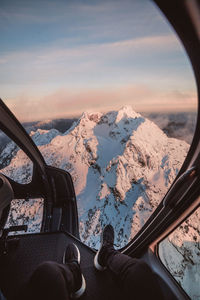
78	252
80	292
96	264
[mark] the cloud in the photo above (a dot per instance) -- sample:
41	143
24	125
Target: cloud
88	55
3	60
155	43
29	12
68	103
105	50
100	62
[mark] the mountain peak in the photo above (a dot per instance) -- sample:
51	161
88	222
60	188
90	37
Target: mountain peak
126	112
128	109
121	164
91	116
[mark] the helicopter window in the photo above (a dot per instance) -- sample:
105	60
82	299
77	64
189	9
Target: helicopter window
26	212
180	253
14	163
111	98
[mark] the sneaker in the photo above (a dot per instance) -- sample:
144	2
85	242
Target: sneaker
72	256
107	241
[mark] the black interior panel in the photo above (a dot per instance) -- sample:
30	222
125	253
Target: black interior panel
33	249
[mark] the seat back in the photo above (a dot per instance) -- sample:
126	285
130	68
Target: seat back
6	196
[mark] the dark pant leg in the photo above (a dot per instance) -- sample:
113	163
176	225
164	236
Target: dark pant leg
50	281
134	277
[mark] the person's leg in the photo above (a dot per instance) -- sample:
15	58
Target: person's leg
135	277
53	281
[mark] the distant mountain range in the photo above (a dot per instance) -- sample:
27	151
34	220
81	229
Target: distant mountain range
177	125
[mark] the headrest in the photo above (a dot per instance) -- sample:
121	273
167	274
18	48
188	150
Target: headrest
6	193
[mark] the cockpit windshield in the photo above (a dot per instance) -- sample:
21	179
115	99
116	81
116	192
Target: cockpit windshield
105	90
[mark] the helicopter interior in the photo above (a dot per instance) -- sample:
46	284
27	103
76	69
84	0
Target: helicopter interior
21	254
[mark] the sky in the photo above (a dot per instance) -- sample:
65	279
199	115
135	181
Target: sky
60	58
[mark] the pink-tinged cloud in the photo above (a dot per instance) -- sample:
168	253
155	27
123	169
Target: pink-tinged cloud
51	54
111	50
68	103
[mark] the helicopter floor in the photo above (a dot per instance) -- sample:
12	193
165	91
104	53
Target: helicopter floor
33	249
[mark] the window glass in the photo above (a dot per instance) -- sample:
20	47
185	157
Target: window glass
14	163
110	98
180	253
26	212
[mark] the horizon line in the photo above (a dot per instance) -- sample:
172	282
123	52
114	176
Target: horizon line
77	116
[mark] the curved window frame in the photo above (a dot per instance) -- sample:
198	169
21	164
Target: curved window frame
184	16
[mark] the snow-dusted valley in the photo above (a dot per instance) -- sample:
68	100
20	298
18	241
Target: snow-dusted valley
121	163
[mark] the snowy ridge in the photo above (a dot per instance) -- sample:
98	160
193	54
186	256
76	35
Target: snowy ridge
121	163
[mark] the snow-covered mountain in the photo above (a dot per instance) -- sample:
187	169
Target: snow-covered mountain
177	125
121	163
180	253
